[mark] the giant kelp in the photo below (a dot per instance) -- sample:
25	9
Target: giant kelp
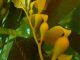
26	26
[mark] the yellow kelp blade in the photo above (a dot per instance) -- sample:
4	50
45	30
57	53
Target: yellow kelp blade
65	57
41	5
31	7
66	32
28	3
32	4
38	20
61	45
19	3
45	17
53	34
43	29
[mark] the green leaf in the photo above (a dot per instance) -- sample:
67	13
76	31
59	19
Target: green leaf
75	22
7	48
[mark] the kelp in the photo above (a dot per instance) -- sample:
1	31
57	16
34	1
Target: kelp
49	26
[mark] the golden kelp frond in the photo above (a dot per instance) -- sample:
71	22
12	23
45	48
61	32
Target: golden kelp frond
54	33
66	32
43	29
60	46
28	4
65	57
45	17
19	3
31	7
41	5
38	20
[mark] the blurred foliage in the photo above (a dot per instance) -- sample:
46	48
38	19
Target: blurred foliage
13	24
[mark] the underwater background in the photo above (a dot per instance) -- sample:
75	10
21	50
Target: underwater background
16	38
